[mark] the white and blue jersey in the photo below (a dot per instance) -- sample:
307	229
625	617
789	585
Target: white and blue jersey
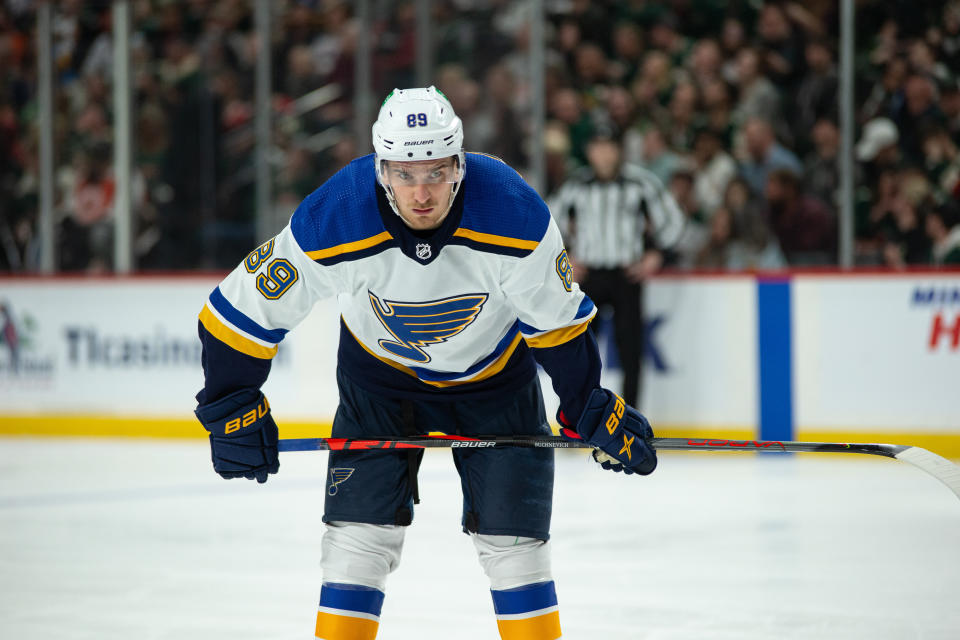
458	311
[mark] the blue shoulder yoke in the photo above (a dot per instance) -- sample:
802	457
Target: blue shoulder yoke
341	211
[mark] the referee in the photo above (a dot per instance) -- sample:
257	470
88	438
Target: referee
617	220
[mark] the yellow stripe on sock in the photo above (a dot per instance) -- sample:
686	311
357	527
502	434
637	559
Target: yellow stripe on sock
545	627
333	627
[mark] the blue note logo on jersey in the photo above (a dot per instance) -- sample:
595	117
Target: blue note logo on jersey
415	325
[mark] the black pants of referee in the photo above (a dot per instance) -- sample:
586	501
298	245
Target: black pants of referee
612	288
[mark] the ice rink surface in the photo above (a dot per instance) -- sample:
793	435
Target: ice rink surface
114	539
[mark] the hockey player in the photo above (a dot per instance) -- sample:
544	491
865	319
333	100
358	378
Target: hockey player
453	283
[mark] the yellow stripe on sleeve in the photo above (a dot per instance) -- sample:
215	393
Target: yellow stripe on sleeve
333	627
545	627
347	247
228	336
557	336
500	241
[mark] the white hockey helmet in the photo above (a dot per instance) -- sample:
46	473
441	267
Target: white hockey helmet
415	125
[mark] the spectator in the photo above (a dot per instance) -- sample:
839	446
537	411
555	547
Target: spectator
886	94
713	252
497	107
820	176
739	236
665	37
714	170
728	248
915	116
804	227
302	76
941	161
877	148
950	107
758	98
942	226
683	116
627	52
655	84
781	47
556	144
716	103
86	234
590	67
621	109
705	61
950	35
897	217
733	39
681	188
886	44
923	62
657	157
696	231
327	46
567	107
764	155
816	96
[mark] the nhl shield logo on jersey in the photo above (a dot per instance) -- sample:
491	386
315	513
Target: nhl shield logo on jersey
338	475
424	251
415	325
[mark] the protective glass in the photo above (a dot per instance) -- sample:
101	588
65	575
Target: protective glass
410	174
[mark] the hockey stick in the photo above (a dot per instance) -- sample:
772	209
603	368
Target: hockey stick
940	468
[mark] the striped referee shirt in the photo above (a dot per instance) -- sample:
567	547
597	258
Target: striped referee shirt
607	224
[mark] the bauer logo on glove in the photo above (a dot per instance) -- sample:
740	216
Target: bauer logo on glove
243	435
248	418
619	432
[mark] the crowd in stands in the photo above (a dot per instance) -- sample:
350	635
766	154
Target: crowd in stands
733	105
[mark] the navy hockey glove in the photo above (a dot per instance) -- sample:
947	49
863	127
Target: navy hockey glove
618	431
243	435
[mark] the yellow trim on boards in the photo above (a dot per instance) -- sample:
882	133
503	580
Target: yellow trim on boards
91	425
501	241
347	247
224	334
944	444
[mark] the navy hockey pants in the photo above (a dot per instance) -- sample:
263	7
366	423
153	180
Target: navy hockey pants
505	491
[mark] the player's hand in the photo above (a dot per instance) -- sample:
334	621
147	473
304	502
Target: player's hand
618	431
243	435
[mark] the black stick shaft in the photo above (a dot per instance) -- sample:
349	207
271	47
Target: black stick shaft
942	469
553	442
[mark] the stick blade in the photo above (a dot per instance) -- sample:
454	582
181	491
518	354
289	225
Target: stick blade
939	467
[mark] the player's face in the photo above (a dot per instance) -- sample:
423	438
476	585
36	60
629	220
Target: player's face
422	190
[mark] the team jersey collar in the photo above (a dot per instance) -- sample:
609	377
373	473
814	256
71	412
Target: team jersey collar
422	247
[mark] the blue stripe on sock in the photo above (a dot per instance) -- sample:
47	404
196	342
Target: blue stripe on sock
351	597
531	597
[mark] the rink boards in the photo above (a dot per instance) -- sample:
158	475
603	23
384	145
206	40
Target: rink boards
814	356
